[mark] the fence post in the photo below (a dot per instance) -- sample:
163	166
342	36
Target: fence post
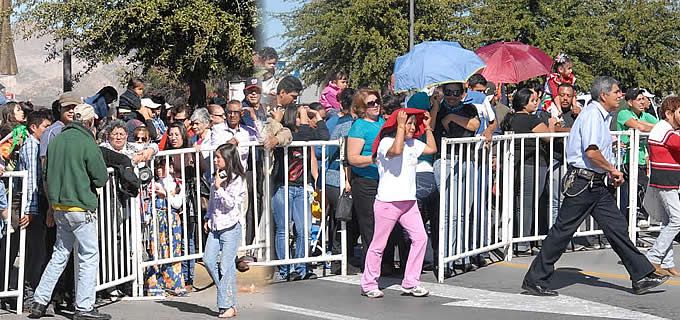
442	212
508	195
633	159
136	247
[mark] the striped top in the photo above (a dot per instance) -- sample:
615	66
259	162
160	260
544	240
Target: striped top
664	156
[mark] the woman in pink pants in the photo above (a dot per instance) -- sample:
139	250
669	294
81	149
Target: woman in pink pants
396	151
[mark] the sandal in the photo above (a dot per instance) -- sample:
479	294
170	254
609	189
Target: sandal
227	313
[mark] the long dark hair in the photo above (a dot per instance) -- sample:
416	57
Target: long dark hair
290	117
520	100
232	160
182	132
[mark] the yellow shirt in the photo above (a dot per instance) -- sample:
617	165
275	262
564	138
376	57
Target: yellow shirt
61	207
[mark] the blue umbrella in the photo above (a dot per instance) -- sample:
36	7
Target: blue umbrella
433	63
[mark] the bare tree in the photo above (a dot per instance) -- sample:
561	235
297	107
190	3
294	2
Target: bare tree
8	62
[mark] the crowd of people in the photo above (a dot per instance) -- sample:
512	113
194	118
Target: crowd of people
391	161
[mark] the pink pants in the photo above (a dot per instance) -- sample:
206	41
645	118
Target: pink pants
386	215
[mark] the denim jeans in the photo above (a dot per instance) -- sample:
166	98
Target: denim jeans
296	213
227	242
662	251
188	265
72	227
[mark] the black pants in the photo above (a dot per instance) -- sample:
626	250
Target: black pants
597	200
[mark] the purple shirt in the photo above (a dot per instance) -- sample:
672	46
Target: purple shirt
224	207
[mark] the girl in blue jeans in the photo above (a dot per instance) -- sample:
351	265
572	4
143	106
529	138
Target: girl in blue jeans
222	225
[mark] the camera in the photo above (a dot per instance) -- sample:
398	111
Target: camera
145	173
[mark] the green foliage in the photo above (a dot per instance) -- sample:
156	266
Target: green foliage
362	37
637	42
191	39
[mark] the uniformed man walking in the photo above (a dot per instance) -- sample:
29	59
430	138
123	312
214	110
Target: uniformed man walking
589	155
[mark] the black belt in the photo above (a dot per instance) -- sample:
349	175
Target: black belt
588	174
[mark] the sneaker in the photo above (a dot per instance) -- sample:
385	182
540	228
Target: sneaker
91	315
294	276
37	310
375	293
417	291
310	276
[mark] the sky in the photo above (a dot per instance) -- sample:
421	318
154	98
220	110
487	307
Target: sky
273	28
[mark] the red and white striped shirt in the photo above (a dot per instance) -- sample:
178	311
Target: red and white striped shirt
664	156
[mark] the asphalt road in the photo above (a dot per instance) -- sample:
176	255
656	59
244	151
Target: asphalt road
591	284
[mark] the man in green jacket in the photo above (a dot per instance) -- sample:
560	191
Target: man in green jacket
75	169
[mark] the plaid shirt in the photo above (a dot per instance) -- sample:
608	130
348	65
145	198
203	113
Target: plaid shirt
29	160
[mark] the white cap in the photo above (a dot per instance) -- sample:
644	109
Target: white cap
646	93
146	102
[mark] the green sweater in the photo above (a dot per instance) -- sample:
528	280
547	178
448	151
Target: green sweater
75	168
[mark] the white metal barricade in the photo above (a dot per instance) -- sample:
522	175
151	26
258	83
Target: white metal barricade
13	264
475	201
181	166
491	191
115	225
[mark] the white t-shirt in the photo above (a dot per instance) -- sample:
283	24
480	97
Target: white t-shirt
398	174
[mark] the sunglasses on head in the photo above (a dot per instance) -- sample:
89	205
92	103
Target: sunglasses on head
373	104
453	93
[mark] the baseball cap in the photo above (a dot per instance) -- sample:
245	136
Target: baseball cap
252	83
420	100
84	112
69	99
146	102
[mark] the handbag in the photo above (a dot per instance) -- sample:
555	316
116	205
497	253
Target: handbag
344	210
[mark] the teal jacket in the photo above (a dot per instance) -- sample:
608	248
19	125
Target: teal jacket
75	168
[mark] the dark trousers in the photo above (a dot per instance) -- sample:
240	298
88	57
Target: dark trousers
258	196
363	194
597	200
36	251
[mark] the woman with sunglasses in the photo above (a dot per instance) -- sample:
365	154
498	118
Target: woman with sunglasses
522	120
116	134
364	172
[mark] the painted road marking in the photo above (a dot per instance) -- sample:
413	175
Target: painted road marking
310	312
602	275
478	298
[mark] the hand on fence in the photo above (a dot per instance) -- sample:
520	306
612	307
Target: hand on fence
233	141
25	220
271	143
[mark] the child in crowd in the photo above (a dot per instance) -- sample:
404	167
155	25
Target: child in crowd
396	150
169	201
563	73
222	225
329	95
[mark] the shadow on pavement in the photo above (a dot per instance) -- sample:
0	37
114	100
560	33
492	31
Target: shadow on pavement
565	277
188	307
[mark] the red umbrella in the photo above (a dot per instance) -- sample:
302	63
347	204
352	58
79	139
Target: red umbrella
513	62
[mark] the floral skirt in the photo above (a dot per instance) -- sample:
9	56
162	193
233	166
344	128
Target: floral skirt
166	277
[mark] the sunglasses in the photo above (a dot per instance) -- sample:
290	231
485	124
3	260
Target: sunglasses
373	104
180	119
221	115
142	139
453	93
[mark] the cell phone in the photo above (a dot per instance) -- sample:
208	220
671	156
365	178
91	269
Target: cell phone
222	174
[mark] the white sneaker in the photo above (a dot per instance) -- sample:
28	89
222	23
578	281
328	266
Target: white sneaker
417	291
375	293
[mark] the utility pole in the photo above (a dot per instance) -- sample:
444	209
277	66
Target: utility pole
66	64
412	10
